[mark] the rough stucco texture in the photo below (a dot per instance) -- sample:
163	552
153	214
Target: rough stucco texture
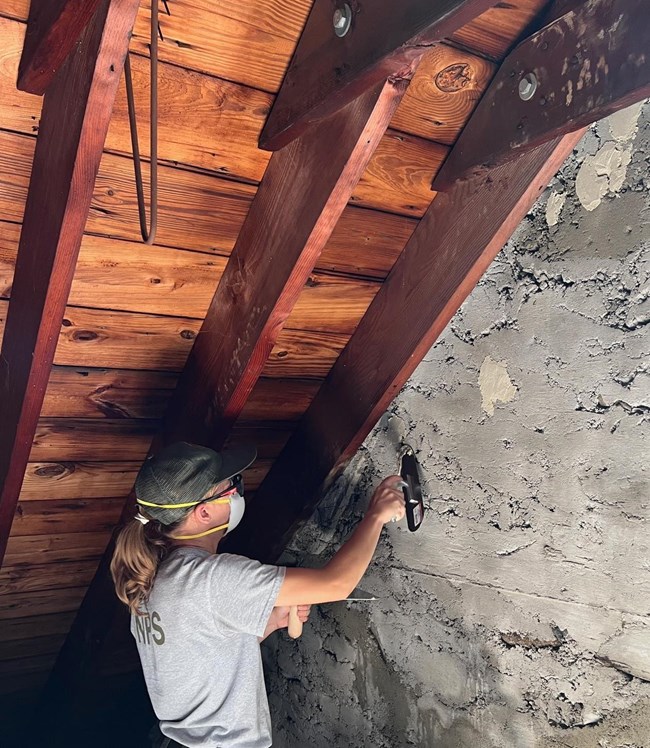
519	614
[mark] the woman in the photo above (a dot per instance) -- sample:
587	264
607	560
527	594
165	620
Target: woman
198	616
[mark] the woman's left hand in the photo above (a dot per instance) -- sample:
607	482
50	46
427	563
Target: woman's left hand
281	615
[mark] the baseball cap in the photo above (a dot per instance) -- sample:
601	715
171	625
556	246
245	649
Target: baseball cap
183	473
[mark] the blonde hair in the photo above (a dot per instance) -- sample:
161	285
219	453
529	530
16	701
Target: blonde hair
139	549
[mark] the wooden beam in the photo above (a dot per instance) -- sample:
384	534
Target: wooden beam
53	29
588	63
451	248
301	197
76	111
385	39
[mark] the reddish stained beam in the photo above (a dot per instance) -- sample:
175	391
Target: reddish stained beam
74	121
386	39
304	190
53	29
451	248
590	62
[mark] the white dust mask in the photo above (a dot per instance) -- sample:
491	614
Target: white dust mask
237	509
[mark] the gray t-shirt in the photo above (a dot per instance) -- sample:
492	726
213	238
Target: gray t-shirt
198	644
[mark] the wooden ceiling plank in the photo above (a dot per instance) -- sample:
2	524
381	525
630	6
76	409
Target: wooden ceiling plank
443	93
77	392
37	577
41	602
328	70
100	339
289	223
72	480
53	29
303	353
76	112
33	627
35	549
588	63
494	32
215	207
444	259
67	515
92	440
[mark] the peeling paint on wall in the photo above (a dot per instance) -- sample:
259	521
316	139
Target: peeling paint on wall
518	616
605	171
495	384
554	207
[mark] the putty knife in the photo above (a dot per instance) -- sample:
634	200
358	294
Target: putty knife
412	488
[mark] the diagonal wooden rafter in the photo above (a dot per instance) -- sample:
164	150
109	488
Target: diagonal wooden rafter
74	122
305	188
53	29
386	39
452	246
591	61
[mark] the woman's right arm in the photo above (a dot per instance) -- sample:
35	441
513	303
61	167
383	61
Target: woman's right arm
343	572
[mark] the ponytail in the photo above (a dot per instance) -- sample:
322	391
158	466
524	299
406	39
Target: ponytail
139	549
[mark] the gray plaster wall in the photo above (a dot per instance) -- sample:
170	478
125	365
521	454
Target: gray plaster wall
519	615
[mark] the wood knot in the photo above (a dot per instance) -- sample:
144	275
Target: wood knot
84	335
50	471
66	323
188	334
282	354
454	77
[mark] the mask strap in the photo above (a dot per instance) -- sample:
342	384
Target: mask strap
223	499
200	534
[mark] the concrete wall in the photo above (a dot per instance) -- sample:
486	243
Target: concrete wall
518	615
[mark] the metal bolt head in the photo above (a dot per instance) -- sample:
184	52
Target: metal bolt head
527	86
342	20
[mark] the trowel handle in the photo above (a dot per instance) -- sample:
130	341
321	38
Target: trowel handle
295	624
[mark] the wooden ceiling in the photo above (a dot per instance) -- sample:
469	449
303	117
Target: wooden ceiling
134	310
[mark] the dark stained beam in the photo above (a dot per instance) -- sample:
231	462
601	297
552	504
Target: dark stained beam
74	121
588	63
386	39
53	29
449	251
304	190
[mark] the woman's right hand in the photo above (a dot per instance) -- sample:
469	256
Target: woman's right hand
387	502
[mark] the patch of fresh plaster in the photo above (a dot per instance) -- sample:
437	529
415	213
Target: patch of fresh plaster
605	171
554	207
495	384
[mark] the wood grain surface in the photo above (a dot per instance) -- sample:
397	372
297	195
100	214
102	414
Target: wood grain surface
39	577
494	32
66	516
91	440
76	112
53	30
77	480
443	93
41	549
